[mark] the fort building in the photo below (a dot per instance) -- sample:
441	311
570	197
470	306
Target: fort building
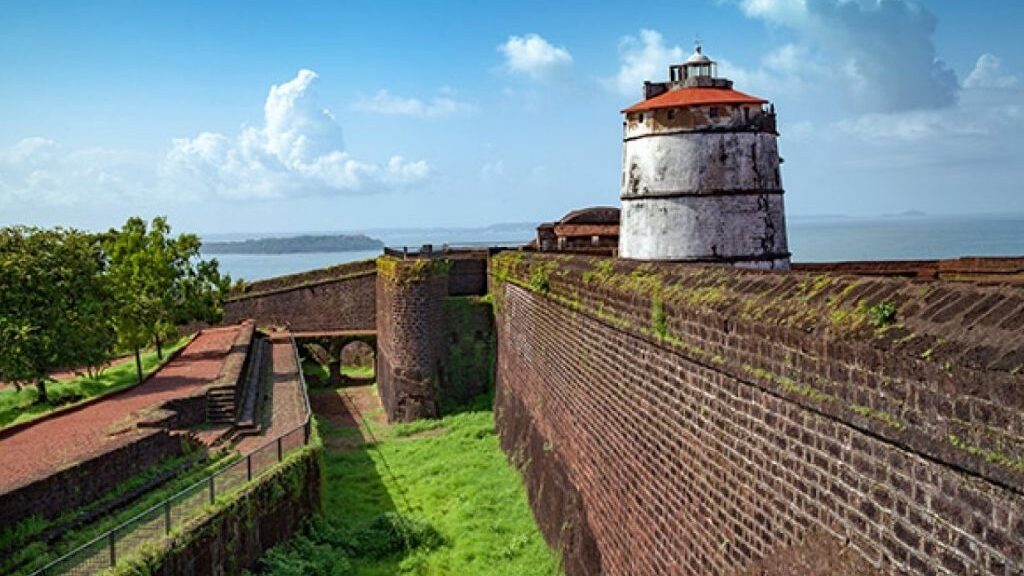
700	173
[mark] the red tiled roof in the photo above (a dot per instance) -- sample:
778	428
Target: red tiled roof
695	97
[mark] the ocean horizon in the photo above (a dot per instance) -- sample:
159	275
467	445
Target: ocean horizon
811	239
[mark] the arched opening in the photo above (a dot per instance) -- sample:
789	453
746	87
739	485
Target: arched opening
358	361
333	360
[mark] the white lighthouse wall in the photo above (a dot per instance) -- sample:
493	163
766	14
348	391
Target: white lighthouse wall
700	162
745	230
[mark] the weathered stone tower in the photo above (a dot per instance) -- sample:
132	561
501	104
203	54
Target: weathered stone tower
700	173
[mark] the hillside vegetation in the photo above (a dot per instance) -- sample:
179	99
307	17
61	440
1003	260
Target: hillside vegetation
295	245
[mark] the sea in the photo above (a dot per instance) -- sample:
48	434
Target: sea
811	239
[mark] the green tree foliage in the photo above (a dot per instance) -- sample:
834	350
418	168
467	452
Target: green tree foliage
55	304
159	282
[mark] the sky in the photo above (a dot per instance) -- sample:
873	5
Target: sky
320	116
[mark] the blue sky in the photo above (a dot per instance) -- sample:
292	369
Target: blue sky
297	116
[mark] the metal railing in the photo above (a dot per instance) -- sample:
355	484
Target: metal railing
161	519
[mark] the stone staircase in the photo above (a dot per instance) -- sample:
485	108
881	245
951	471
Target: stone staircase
220	405
248	421
240	407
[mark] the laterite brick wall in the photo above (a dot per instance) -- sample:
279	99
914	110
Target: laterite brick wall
435	339
86	481
410	304
700	420
346	302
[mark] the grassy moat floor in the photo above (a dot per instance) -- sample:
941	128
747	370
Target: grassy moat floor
431	497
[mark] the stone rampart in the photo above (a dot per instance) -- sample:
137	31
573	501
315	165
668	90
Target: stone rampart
435	338
230	539
85	481
337	298
410	303
705	420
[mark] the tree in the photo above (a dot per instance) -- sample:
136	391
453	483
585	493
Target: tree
160	282
54	304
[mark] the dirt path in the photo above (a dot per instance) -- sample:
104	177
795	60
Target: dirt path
55	443
346	408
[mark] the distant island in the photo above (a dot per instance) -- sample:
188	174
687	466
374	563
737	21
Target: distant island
295	245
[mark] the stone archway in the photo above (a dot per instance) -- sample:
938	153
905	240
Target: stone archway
358	362
331	349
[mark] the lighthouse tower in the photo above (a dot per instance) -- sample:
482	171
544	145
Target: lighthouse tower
700	173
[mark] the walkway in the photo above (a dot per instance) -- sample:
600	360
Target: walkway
55	443
288	409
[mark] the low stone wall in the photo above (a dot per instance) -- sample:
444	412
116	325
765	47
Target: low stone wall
995	270
308	278
710	420
467	274
86	481
160	435
232	537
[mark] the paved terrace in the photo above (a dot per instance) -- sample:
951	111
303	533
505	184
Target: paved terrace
55	443
288	407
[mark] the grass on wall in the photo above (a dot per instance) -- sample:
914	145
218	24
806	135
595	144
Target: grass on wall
429	498
20	406
24	547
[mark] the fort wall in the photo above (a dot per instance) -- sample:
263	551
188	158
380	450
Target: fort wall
435	339
682	419
235	534
337	298
85	481
410	301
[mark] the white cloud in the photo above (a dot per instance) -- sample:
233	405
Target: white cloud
534	56
907	126
492	171
787	69
776	11
298	151
39	170
643	58
882	49
991	106
988	73
383	102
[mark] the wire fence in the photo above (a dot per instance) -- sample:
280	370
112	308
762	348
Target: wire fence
158	521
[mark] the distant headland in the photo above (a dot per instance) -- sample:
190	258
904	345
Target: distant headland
296	245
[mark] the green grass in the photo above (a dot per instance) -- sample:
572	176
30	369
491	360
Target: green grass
20	406
432	497
316	372
360	372
22	550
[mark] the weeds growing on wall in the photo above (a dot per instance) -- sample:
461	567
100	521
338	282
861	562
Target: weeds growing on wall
33	542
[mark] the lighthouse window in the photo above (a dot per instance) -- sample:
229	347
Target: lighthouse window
671	113
713	112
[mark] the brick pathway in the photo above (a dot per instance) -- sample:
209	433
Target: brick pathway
55	443
289	409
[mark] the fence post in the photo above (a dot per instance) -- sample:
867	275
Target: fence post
248	467
112	539
279	456
167	516
213	496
